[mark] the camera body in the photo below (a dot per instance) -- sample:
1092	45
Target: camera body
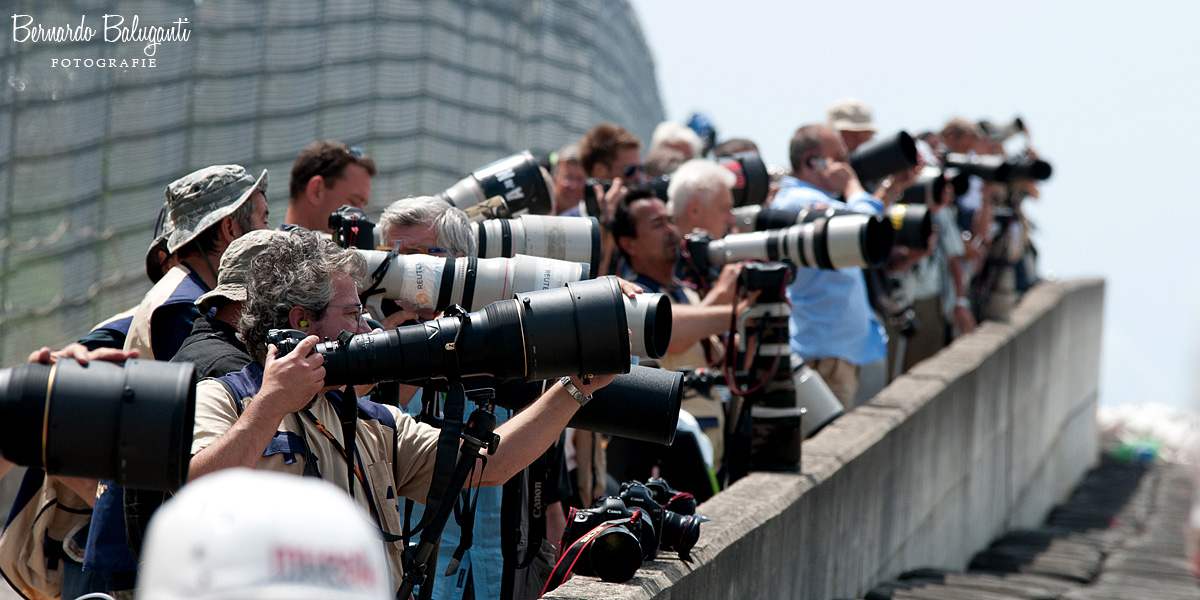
614	553
751	184
352	229
641	524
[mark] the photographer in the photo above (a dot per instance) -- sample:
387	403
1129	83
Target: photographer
832	324
700	197
213	347
650	243
569	179
431	226
852	120
611	154
271	415
206	211
326	176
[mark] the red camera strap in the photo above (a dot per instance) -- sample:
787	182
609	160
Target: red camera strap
570	556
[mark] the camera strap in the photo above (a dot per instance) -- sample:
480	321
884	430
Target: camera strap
378	274
451	425
571	555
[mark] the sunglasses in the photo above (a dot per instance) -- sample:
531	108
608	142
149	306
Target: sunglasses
418	249
632	170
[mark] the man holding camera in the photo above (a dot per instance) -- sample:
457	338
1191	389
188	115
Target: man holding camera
833	327
650	243
610	153
272	415
326	176
430	225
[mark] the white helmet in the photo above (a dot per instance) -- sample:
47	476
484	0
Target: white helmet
257	535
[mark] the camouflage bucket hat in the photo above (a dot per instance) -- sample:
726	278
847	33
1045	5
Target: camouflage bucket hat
200	199
235	267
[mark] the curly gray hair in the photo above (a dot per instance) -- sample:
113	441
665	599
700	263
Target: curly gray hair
454	231
293	270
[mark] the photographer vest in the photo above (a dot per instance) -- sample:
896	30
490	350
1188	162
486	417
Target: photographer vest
110	333
166	314
392	454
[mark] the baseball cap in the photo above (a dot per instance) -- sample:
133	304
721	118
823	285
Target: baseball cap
198	200
849	115
235	267
259	535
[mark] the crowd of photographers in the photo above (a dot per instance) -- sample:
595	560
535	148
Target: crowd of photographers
867	255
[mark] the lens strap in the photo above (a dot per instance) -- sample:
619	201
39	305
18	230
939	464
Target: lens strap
570	556
378	274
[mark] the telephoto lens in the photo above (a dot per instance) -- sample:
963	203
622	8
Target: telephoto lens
750	187
131	424
883	156
436	283
642	404
580	329
834	242
906	226
913	224
561	238
988	167
928	188
503	189
753	182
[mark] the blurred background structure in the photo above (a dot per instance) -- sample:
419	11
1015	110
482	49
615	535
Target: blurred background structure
431	89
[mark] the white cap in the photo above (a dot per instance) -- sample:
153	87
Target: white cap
249	535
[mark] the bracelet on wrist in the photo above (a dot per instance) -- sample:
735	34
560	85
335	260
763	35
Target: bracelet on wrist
575	392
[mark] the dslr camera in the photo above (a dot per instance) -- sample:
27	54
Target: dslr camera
631	528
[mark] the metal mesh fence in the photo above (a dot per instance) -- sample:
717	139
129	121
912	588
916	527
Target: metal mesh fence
431	89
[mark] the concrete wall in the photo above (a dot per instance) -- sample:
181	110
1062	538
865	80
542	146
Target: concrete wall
984	437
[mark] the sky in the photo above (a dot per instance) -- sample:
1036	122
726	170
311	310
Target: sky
1110	92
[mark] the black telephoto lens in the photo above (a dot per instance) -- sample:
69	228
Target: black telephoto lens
131	424
881	157
580	329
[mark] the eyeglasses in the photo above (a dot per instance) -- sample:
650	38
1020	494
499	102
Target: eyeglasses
632	170
424	250
358	311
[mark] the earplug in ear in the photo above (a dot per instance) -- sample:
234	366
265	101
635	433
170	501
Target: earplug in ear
304	323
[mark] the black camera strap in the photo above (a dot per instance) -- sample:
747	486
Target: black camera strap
378	274
571	555
450	424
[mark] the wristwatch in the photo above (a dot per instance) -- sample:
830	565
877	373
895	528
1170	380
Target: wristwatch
579	396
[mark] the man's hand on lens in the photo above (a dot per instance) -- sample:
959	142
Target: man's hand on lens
290	382
629	288
724	288
80	353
